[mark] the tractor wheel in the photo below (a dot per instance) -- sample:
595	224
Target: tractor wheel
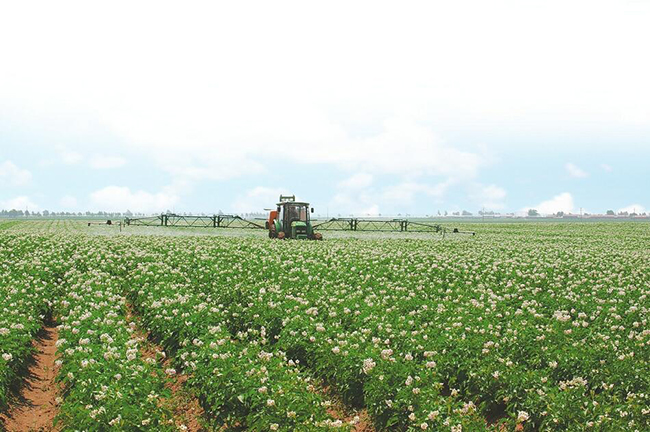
318	236
281	235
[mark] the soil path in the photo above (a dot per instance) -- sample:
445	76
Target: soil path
357	419
183	405
37	409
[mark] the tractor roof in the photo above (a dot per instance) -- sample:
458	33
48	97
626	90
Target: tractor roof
293	203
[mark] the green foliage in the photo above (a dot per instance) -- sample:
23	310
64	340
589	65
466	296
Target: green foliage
540	325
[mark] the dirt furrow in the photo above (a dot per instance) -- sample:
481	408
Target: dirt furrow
358	419
184	406
37	407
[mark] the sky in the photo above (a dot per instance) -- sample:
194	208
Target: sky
364	108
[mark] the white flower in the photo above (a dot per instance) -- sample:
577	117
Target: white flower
274	426
368	365
424	426
7	357
522	416
270	402
433	414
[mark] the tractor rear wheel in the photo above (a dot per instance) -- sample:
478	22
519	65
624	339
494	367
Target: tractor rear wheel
318	236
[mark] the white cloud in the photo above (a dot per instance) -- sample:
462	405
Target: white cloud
633	208
491	196
397	198
373	210
606	168
402	147
99	161
357	181
562	202
355	202
20	203
349	66
68	202
257	199
403	194
575	171
116	198
364	101
13	175
67	156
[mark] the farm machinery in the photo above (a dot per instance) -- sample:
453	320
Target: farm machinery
291	220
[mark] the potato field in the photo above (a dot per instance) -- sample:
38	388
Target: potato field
523	327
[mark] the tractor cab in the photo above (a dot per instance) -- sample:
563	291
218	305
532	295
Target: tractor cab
291	219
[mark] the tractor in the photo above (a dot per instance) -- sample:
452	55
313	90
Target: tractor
291	220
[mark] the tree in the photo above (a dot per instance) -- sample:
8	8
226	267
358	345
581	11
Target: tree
610	213
533	213
559	214
466	213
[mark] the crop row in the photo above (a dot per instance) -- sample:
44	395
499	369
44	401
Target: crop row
30	271
525	340
240	380
543	329
104	378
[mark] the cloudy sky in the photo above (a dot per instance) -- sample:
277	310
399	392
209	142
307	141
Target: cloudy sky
359	107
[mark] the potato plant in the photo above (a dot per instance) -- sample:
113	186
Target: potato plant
535	326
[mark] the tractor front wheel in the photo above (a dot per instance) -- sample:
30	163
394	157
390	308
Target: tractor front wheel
281	235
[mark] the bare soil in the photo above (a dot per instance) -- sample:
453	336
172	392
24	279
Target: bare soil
357	418
36	408
183	405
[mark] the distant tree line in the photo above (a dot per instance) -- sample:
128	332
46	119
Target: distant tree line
13	213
